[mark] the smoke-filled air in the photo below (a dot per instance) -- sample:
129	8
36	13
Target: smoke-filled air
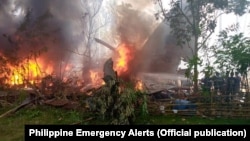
59	37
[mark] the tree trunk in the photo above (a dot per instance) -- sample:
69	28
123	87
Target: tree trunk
195	77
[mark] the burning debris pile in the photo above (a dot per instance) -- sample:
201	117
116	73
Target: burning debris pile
50	54
40	38
33	42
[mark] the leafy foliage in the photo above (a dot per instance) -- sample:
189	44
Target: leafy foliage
233	51
117	103
192	18
191	64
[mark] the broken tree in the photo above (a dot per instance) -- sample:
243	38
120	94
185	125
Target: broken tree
109	73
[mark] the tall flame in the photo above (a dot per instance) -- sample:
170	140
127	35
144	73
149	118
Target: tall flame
28	70
125	55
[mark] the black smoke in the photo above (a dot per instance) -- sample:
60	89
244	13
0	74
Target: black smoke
46	28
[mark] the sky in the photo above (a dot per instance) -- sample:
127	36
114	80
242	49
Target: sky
228	19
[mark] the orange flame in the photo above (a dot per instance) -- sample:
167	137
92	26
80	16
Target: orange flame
139	85
28	70
96	79
125	55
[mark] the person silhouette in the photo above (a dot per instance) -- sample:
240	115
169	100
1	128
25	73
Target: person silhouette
231	81
237	83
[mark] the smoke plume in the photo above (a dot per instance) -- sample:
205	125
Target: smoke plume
31	27
59	28
156	47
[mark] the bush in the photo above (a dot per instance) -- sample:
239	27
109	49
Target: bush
117	103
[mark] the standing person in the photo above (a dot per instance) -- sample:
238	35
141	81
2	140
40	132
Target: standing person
231	81
218	83
206	83
224	87
238	82
218	86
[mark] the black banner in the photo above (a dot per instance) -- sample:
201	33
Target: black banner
187	132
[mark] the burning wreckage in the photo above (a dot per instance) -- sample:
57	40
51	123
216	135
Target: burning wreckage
174	89
160	86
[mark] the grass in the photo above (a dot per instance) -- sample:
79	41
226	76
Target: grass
12	127
190	120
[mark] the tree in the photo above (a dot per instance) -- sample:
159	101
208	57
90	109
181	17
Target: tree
193	22
232	51
90	23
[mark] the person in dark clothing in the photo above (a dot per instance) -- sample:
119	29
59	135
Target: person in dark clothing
218	83
231	82
237	83
206	83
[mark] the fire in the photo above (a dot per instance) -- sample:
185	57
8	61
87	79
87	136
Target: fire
125	55
96	79
139	85
27	70
16	78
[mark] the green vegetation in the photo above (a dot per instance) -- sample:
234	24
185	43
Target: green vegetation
12	127
117	105
233	50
